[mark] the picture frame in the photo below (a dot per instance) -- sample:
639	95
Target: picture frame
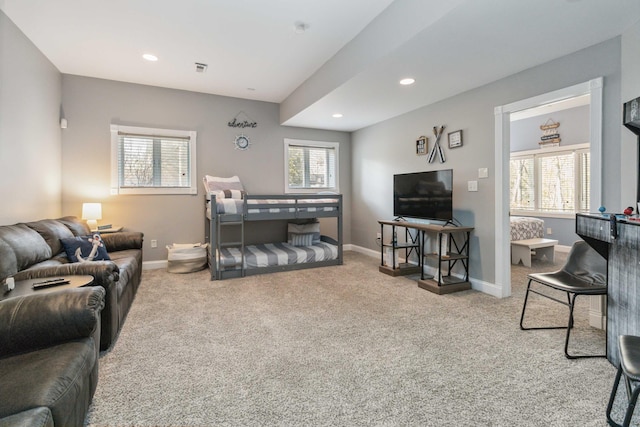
455	139
421	145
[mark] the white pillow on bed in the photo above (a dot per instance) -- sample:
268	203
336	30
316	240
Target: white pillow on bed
224	188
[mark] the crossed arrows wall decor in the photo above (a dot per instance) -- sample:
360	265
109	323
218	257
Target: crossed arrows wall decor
436	146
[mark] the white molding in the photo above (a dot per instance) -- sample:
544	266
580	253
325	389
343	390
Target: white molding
502	113
154	265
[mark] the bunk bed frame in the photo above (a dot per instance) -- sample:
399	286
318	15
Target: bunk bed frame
262	208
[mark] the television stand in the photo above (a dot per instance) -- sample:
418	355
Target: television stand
451	248
391	265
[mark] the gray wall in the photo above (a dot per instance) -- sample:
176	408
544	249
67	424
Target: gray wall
91	105
30	141
574	129
387	148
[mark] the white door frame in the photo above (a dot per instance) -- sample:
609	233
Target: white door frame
501	165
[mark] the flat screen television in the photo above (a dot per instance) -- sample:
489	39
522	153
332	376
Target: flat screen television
425	195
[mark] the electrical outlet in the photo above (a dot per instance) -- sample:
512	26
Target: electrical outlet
378	236
472	185
154	243
549	230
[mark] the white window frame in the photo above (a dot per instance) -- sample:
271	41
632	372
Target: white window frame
575	149
318	144
115	180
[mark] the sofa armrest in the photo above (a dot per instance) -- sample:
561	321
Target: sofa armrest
122	240
104	272
41	320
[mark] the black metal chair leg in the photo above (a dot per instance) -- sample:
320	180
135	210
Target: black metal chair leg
572	304
524	306
631	407
612	398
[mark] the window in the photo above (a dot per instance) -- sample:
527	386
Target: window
553	182
311	166
152	161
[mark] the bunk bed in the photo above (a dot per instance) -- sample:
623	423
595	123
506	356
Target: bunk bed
227	205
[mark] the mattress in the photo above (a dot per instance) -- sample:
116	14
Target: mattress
275	254
523	228
273	206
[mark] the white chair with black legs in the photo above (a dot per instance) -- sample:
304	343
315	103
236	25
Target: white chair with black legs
629	369
584	273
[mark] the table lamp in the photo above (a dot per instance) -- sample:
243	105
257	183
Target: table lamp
92	212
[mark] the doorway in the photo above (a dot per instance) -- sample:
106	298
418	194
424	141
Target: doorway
502	155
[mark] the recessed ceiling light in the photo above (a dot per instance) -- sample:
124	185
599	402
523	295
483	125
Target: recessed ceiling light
407	81
337	115
150	57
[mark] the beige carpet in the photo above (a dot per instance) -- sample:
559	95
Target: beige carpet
345	346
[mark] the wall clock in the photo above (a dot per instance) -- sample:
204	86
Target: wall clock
242	142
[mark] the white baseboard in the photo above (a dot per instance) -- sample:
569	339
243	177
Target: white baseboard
478	285
563	248
154	265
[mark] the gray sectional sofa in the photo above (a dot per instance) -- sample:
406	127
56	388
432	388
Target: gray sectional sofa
34	250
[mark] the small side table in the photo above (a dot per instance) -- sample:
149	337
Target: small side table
25	287
112	229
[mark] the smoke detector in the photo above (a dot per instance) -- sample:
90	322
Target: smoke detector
200	67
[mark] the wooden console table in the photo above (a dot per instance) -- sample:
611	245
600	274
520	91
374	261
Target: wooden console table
452	248
623	273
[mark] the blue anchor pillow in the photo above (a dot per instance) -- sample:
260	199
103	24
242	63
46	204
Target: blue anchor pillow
85	248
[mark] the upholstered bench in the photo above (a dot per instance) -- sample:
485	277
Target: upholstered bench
521	250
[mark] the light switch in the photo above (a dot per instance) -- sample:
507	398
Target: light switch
472	185
483	173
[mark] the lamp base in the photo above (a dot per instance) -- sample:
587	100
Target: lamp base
93	224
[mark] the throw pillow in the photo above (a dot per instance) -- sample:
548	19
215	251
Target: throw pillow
85	248
312	228
305	239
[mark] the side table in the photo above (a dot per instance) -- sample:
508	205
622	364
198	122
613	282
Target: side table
25	287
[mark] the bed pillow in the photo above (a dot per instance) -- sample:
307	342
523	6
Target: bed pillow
219	186
305	239
230	194
301	229
85	248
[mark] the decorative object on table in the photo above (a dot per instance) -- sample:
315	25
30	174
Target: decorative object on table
436	145
242	142
455	139
92	212
628	211
602	209
421	145
550	135
242	120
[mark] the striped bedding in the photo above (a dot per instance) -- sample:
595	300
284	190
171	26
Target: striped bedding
235	206
275	254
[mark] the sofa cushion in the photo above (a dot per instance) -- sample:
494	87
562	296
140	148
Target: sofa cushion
77	226
85	248
58	377
37	417
22	247
52	232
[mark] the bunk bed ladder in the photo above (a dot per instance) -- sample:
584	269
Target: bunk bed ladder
222	243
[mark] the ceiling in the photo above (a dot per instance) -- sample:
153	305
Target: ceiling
349	60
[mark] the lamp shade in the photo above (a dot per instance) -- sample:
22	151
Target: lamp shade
92	212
